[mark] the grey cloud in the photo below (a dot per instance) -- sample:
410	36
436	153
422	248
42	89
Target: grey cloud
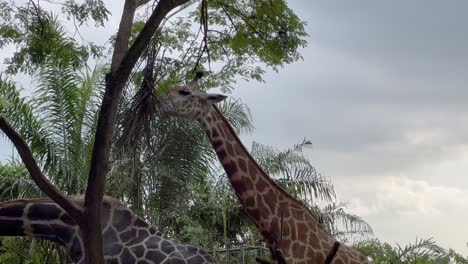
381	90
393	29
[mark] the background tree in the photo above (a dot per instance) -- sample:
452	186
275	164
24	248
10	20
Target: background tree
34	31
162	167
423	251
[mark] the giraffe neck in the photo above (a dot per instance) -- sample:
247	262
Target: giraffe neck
39	218
284	222
127	239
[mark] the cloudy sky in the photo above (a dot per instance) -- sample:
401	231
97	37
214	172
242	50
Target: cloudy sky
382	95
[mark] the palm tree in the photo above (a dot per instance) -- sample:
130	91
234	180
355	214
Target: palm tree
294	172
423	251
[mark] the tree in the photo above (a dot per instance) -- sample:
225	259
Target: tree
294	172
243	33
423	251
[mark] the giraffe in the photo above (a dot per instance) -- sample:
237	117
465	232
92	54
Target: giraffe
127	239
290	229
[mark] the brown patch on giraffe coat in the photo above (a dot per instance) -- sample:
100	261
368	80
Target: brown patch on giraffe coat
261	185
319	258
238	150
222	131
326	244
311	226
298	215
309	252
301	227
314	240
286	209
254	213
230	150
230	168
13	210
250	202
11	227
293	229
285	245
252	169
342	261
286	228
227	132
222	155
214	133
243	166
67	219
44	212
271	201
241	185
216	144
298	250
275	226
264	210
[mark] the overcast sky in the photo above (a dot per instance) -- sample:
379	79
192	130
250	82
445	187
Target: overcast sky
382	95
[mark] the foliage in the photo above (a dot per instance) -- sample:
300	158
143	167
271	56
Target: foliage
168	173
294	172
234	39
40	38
268	29
58	125
15	182
21	115
423	251
27	251
341	224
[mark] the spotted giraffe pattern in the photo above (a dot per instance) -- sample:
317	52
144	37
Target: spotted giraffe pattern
127	239
284	222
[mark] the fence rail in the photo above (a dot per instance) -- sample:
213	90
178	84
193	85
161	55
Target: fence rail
241	254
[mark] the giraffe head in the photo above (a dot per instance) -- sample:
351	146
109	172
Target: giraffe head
189	102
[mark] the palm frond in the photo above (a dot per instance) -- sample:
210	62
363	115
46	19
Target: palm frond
15	182
21	116
422	248
294	172
341	223
238	115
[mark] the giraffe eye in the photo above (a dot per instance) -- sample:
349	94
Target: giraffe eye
184	92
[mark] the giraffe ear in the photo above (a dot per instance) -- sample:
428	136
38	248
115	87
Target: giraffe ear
214	98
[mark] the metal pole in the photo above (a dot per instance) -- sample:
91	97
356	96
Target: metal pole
242	253
227	253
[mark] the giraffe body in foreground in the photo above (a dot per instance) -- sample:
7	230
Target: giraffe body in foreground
285	223
127	239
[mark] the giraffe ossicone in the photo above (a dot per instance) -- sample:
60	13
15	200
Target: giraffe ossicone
289	228
127	239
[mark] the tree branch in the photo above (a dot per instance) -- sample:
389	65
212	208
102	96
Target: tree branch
141	2
115	82
123	35
41	181
125	30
